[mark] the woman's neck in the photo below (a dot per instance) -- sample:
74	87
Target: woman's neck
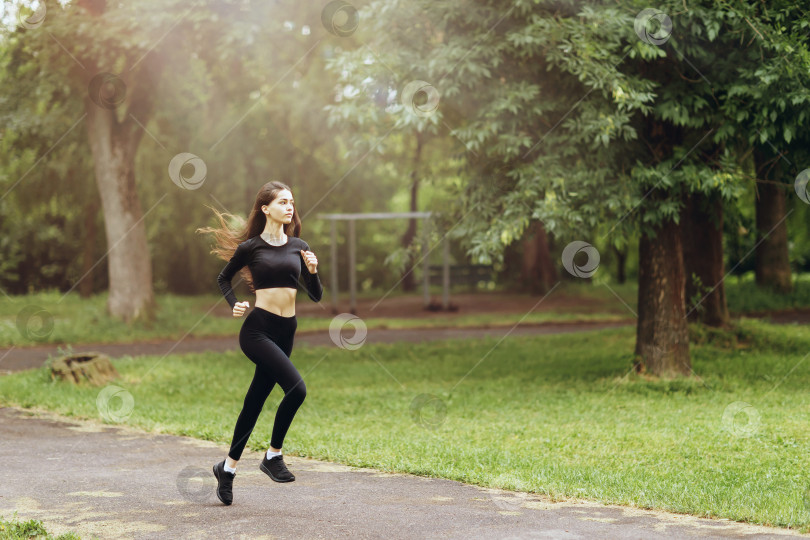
273	231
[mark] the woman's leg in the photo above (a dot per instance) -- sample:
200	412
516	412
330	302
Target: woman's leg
295	391
257	393
273	358
273	364
278	350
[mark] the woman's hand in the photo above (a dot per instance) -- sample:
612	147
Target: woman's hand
311	261
239	308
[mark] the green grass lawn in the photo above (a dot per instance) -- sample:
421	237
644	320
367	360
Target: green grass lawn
558	415
742	294
76	320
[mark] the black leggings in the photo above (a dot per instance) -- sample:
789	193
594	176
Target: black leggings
267	340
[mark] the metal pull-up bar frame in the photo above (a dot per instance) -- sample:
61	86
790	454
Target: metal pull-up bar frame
351	218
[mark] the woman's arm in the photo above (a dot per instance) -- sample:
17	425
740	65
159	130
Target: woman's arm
312	281
238	260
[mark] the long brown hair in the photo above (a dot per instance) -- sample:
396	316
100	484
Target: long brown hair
227	238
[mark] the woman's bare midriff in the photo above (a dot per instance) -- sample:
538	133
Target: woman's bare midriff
278	300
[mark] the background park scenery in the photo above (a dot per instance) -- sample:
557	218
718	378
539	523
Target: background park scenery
596	162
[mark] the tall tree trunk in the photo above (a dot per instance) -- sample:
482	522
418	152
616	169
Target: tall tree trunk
662	338
772	265
408	281
621	264
90	242
129	263
702	241
114	136
538	272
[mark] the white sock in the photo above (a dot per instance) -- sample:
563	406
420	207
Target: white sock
271	454
229	469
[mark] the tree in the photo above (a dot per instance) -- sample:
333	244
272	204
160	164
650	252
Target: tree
767	104
702	243
772	265
387	108
113	58
583	119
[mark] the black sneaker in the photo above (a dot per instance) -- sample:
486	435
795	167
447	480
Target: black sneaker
225	479
276	469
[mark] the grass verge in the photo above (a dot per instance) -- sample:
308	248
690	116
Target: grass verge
560	415
41	318
14	529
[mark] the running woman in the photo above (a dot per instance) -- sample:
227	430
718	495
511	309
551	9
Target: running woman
275	257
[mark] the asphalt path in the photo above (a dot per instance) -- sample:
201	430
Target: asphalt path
114	481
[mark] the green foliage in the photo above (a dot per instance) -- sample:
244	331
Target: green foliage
25	530
238	84
552	111
561	100
701	290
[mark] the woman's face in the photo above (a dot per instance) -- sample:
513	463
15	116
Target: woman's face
281	208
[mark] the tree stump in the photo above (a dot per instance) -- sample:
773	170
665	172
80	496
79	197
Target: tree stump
92	367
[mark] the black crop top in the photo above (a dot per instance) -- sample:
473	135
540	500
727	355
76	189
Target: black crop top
270	266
